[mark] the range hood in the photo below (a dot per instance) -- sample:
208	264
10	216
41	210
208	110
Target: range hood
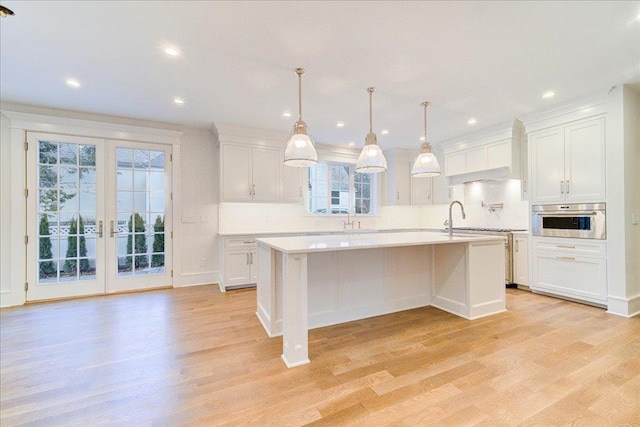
496	174
491	154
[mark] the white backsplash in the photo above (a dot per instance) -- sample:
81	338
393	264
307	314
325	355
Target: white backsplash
513	214
275	217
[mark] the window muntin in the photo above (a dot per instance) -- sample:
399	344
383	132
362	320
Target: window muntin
336	188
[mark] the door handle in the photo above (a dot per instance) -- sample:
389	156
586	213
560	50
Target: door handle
112	230
568	187
100	229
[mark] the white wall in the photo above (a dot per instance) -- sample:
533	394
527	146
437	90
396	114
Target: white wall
513	215
199	198
632	191
5	209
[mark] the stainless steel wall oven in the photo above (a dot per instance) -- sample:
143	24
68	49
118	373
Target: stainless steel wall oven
582	221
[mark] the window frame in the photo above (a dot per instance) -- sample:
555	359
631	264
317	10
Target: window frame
330	196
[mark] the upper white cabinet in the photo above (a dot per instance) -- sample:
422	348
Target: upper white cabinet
400	187
492	153
249	173
292	183
251	168
568	163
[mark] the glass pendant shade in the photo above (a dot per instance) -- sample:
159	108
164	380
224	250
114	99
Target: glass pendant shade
371	159
301	151
426	163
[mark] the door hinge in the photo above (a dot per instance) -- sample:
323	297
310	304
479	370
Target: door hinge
26	146
26	286
171	196
172	234
26	240
26	193
171	273
171	157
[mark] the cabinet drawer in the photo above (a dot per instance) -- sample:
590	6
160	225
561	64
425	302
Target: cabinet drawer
240	243
570	246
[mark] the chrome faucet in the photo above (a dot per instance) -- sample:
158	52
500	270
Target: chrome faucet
451	219
349	221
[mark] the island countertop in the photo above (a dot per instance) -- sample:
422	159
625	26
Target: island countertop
355	240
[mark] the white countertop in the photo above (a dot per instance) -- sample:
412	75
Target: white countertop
319	232
334	242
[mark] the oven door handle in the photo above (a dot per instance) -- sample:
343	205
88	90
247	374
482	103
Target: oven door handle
547	214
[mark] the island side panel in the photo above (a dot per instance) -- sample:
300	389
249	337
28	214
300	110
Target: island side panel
266	289
449	290
487	288
408	277
295	331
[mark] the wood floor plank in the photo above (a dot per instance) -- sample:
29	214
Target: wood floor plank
195	356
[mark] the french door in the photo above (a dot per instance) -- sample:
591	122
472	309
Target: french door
98	213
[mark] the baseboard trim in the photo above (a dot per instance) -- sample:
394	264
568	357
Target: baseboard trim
198	279
625	307
5	299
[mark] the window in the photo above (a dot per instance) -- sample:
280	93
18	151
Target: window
336	188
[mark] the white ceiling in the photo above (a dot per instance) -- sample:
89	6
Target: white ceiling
487	60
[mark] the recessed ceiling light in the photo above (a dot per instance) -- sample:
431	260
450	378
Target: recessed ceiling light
384	132
352	143
548	94
178	101
340	124
286	114
73	83
472	122
171	51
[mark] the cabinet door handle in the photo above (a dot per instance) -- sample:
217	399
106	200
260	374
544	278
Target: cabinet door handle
247	258
112	230
566	246
254	189
251	258
397	195
300	188
517	245
569	258
561	187
100	229
568	186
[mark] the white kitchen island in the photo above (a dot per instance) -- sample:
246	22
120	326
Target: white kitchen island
306	282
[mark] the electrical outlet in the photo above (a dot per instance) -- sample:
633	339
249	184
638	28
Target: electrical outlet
204	219
635	218
203	262
188	219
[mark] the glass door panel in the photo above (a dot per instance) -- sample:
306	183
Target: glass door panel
64	216
142	212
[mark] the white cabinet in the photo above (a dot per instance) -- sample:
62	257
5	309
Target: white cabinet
292	183
239	263
398	183
421	192
249	173
520	260
570	268
568	163
442	193
492	153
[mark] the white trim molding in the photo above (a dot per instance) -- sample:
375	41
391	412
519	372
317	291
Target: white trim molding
626	307
199	279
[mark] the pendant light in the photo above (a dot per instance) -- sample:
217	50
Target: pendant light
426	163
301	151
371	158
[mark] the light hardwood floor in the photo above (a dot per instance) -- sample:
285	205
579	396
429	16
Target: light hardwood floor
194	356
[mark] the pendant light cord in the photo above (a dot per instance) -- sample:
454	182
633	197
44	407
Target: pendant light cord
299	72
425	120
371	90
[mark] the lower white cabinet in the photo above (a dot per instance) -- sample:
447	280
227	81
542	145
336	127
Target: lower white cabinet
572	268
239	262
521	260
